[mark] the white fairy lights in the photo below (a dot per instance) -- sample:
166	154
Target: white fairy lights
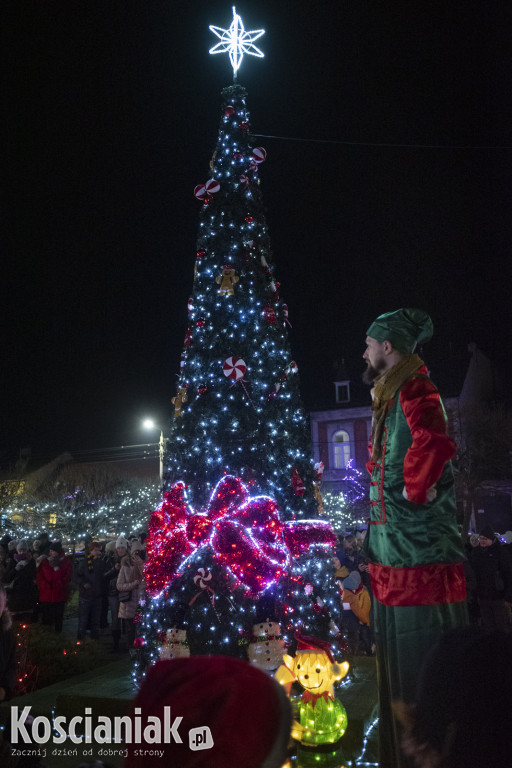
236	41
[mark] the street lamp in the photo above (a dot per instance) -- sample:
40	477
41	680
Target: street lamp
151	424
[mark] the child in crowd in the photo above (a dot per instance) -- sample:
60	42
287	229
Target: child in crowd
356	613
340	570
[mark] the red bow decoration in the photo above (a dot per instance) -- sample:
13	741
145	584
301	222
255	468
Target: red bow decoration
245	533
314	697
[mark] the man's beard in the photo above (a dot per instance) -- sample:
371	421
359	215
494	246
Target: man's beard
371	373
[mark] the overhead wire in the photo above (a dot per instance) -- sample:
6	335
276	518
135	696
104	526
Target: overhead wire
381	143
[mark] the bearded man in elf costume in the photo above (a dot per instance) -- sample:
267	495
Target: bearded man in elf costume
413	546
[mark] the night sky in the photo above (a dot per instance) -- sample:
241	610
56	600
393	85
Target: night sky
110	116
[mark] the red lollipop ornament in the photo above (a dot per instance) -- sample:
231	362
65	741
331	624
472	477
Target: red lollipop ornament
234	368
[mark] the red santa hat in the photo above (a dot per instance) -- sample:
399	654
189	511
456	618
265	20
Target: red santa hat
247	712
306	643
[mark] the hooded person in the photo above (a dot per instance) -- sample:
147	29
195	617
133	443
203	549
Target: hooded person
356	612
241	715
22	590
413	546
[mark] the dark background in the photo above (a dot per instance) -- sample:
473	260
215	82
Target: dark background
110	117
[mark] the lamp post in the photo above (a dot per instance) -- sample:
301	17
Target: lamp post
150	424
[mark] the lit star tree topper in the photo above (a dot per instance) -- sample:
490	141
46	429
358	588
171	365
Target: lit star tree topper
236	41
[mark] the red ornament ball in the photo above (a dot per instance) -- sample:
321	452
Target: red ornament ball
202	389
201	322
229	110
201	254
249	219
244	126
212	186
200	192
237	156
139	642
259	154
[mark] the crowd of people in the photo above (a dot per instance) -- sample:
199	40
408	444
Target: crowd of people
39	579
488	571
353	578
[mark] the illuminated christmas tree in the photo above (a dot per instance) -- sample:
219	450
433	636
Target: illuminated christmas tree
237	538
347	508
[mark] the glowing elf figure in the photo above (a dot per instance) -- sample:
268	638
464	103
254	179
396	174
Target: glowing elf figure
320	718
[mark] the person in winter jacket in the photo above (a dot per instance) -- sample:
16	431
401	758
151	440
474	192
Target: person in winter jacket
10	562
356	613
340	571
111	574
22	591
350	557
54	575
7	647
3	557
492	569
130	579
90	576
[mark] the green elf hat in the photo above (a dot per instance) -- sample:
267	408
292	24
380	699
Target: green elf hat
404	328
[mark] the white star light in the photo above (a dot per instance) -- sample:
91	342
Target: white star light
237	41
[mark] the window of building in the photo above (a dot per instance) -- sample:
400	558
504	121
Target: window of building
341	449
342	391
